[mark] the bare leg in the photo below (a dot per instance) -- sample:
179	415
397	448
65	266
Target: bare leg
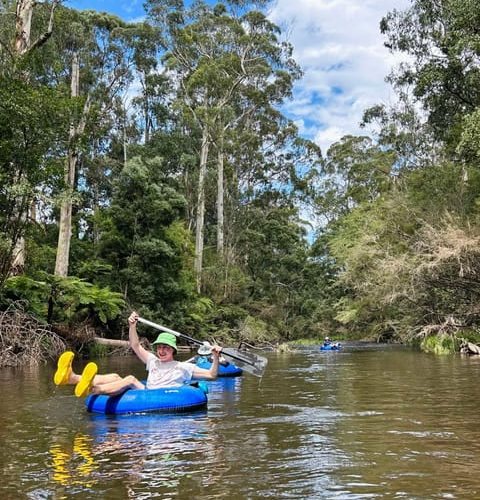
107	378
66	375
74	378
116	386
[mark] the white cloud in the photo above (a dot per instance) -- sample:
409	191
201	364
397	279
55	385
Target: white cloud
329	135
339	46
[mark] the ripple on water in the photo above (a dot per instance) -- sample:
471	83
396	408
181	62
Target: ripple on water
379	424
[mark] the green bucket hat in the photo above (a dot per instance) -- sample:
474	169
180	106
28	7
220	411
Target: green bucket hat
167	339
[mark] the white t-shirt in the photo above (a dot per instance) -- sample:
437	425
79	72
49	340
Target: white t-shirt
167	374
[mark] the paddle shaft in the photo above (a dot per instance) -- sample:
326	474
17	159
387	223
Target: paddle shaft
190	339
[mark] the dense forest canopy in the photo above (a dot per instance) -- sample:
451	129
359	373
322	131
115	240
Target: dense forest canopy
150	166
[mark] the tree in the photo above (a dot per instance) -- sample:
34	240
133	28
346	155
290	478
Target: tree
23	26
222	65
76	131
14	53
441	39
402	129
32	121
102	44
355	171
145	241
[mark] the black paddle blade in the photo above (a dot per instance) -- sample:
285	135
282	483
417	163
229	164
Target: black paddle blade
248	361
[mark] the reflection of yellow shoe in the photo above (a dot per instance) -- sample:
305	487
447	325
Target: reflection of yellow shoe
82	445
85	382
64	368
59	464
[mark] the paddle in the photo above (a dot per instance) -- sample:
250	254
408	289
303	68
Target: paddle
248	361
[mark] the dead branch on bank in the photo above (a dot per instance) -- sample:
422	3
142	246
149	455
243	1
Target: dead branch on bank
24	340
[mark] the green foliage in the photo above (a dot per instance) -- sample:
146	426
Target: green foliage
69	300
32	293
347	312
255	331
146	242
407	262
442	40
200	309
402	130
32	119
356	171
469	144
439	344
94	271
395	256
83	299
306	342
468	335
134	204
97	350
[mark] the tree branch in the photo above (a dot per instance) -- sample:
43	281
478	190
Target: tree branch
45	36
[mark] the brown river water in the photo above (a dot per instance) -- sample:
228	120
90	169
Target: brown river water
369	422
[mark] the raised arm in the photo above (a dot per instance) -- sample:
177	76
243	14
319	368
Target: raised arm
212	372
133	338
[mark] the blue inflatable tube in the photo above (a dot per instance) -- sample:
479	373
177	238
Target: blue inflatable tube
168	399
229	370
330	347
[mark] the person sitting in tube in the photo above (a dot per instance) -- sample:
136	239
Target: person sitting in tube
327	342
163	369
205	353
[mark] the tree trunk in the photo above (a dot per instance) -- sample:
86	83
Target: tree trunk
125	138
201	208
65	223
23	25
21	45
145	108
18	254
220	200
147	121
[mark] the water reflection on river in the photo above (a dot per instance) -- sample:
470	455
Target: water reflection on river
367	422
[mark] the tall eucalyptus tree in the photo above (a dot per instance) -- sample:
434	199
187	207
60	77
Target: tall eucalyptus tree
227	66
99	48
25	26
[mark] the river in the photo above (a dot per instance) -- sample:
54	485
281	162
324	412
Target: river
366	422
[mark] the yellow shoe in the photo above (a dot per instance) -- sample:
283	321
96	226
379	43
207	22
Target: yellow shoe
64	368
85	382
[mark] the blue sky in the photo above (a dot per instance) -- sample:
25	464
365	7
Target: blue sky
131	10
338	45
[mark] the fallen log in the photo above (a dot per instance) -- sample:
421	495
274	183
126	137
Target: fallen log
111	342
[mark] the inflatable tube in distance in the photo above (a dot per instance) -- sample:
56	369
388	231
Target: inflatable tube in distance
228	370
330	347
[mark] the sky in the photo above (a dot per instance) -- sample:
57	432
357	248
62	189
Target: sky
339	47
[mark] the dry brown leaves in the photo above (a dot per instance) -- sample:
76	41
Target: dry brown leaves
450	244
